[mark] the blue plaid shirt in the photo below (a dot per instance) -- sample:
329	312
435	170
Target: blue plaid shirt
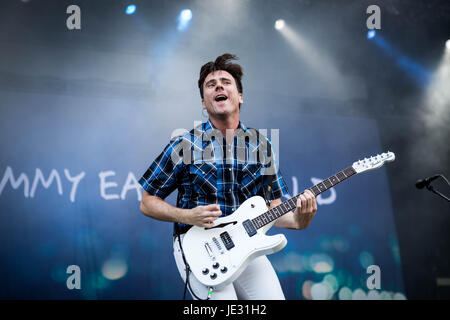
208	171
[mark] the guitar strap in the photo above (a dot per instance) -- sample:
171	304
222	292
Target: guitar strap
268	188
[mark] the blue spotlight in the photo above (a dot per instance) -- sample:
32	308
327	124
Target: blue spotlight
184	18
130	9
371	34
414	69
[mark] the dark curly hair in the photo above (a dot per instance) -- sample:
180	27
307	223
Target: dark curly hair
224	63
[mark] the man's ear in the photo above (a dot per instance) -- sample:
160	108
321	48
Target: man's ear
241	98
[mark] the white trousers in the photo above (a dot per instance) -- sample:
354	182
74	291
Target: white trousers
258	281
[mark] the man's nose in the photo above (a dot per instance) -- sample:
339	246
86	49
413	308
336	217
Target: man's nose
219	86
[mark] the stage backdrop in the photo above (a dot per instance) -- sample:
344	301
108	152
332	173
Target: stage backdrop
69	195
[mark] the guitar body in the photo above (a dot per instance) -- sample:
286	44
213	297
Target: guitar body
218	255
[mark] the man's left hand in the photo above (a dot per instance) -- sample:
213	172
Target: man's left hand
306	209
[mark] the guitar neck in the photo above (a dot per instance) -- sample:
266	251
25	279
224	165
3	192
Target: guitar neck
289	205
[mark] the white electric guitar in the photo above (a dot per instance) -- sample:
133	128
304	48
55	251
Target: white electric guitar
218	255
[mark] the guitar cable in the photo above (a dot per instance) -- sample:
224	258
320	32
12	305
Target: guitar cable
188	271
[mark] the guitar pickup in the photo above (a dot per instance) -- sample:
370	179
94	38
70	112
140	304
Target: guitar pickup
226	239
249	227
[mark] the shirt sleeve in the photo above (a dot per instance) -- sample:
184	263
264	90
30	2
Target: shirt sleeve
278	187
272	172
160	179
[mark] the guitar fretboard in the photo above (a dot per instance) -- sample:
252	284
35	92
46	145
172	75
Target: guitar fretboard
289	205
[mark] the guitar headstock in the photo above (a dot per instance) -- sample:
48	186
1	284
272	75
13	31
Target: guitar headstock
373	162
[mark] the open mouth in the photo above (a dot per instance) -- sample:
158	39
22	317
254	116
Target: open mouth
221	97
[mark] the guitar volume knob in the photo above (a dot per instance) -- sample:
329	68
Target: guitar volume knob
205	271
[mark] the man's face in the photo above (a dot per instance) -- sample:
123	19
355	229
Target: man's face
221	97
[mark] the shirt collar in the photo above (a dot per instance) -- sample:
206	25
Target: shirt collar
208	126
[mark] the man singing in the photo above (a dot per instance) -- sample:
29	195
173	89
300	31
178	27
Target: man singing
228	171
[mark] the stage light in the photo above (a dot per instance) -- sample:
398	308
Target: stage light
186	14
322	263
279	24
366	259
345	294
413	68
321	291
371	34
373	295
435	114
399	296
306	289
114	268
359	294
319	61
332	281
184	18
130	9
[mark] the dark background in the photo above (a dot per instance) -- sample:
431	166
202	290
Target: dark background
117	65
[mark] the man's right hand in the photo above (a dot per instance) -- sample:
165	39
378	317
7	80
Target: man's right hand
203	216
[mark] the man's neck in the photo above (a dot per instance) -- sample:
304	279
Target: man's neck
227	126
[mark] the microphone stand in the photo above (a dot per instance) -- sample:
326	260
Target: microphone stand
430	187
